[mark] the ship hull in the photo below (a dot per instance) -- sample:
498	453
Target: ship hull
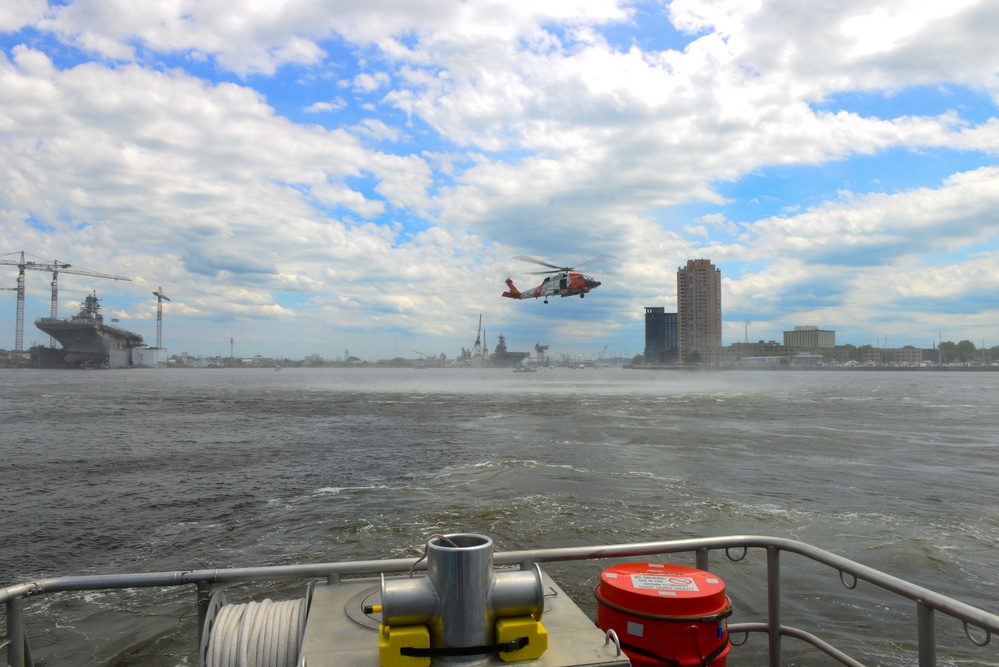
86	345
507	359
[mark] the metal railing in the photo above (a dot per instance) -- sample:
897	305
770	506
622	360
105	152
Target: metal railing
927	603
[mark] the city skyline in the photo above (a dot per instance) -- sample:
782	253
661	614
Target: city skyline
317	177
34	337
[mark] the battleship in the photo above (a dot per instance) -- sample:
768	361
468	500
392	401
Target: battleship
86	341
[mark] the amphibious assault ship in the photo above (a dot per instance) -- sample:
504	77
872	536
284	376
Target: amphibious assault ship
86	341
503	358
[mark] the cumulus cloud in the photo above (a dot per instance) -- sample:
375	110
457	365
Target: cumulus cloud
16	14
881	228
326	107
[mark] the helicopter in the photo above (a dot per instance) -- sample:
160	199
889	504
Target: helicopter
560	281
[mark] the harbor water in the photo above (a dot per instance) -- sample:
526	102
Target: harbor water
154	470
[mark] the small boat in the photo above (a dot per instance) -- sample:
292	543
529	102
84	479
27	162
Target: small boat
463	602
525	369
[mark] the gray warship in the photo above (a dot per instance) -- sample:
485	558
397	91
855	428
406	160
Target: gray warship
86	341
503	358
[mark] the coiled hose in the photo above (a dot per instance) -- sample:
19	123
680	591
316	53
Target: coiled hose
257	634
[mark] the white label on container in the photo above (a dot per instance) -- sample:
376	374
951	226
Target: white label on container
663	583
636	629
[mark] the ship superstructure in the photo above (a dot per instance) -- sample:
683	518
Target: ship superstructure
87	342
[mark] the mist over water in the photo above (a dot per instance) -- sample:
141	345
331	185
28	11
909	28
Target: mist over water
143	470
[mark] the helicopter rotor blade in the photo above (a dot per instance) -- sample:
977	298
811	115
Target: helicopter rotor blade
535	260
594	260
555	268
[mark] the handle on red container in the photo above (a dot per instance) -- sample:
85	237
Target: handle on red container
706	660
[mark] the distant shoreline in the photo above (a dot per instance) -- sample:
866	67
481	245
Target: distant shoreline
905	369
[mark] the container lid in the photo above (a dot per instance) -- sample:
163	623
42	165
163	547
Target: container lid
662	588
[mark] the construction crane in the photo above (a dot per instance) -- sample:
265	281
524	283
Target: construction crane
540	349
56	267
160	296
430	361
477	348
11	289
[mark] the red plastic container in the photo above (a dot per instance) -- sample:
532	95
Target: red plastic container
665	615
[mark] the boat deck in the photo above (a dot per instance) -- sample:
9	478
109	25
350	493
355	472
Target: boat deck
334	583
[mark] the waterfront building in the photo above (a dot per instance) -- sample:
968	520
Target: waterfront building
660	336
672	338
894	356
747	353
655	334
699	314
906	356
810	338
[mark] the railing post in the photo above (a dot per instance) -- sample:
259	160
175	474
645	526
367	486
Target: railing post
204	598
926	636
15	632
702	559
773	605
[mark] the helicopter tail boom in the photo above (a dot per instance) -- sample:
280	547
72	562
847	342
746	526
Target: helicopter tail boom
514	293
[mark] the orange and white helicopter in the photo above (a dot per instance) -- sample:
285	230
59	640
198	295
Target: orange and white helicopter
560	281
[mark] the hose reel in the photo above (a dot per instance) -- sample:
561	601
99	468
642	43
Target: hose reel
254	634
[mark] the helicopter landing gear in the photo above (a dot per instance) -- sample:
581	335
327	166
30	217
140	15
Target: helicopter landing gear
581	296
546	300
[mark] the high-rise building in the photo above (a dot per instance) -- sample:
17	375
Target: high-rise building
699	314
655	334
660	335
672	338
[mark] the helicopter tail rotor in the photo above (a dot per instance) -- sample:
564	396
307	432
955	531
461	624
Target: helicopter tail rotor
513	293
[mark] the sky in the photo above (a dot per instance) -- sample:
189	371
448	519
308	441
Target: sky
322	176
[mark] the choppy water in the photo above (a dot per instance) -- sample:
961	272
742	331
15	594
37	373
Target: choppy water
142	470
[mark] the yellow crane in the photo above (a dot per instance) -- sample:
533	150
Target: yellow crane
56	267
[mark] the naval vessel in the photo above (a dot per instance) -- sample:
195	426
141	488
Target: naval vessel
503	358
87	342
